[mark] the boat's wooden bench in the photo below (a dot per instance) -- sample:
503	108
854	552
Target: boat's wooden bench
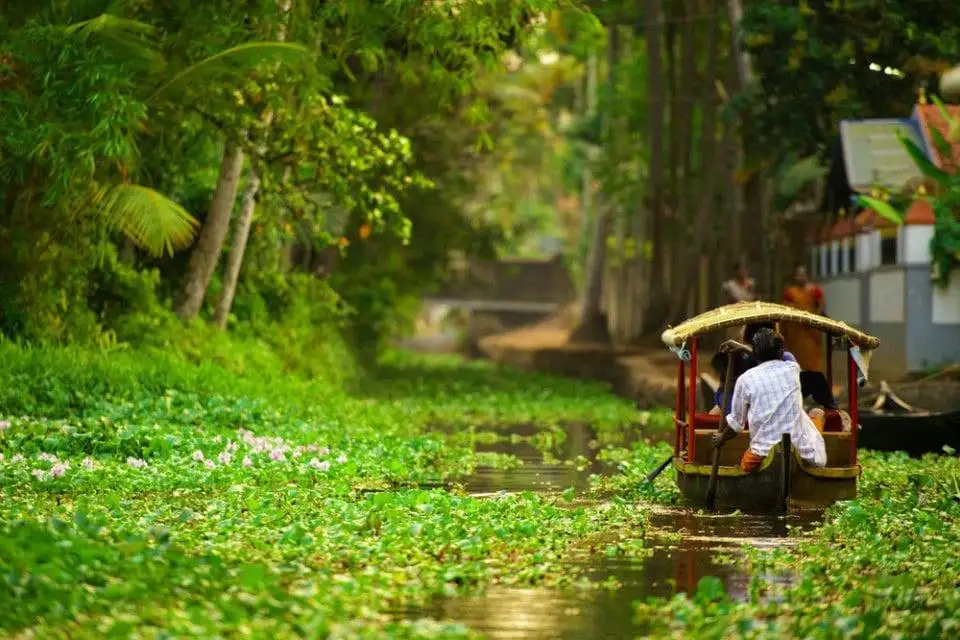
837	443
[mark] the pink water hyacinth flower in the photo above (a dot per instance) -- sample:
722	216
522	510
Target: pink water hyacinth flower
198	455
247	462
46	457
136	463
323	451
4	425
232	446
224	458
17	457
341	458
319	466
88	463
38	474
277	455
298	452
209	464
58	470
2	457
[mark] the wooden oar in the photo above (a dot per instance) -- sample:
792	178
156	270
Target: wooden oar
785	451
656	472
728	383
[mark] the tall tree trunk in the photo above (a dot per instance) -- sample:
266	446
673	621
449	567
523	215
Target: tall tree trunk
206	252
748	196
231	274
711	158
654	30
592	325
242	233
684	109
586	174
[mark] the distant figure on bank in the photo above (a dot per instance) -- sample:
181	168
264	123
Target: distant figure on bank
768	396
741	287
806	343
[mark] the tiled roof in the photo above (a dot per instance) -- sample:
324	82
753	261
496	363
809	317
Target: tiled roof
928	117
843	228
920	212
870	218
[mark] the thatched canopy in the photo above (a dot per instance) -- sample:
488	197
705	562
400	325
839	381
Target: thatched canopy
734	315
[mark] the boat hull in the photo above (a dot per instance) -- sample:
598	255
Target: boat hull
915	433
759	492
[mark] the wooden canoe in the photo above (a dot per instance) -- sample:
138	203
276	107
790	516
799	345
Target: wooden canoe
891	424
759	492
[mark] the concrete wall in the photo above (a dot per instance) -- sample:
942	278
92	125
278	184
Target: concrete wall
918	323
933	320
842	297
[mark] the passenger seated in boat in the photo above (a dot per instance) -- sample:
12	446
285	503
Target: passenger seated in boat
768	396
813	384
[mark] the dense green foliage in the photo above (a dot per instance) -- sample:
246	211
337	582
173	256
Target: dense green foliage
171	497
818	62
369	127
883	566
151	492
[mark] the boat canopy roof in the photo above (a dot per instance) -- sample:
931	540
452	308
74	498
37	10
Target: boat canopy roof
742	313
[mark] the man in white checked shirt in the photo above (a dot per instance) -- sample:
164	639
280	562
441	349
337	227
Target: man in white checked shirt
768	397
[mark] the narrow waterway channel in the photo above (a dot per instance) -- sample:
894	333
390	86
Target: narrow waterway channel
685	546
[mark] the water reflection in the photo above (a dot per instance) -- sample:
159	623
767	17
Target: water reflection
684	545
672	567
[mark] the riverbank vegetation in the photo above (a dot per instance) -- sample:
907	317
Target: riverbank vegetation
882	566
154	494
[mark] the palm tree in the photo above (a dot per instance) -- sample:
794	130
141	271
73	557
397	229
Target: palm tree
146	217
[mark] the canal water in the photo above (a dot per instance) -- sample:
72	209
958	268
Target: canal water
684	546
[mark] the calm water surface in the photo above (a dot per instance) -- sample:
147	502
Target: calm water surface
707	542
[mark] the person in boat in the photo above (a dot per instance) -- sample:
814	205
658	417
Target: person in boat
813	384
768	396
805	342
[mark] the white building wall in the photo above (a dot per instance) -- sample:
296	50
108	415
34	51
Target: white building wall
915	243
842	297
887	295
946	302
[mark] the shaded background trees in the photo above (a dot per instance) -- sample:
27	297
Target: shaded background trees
379	141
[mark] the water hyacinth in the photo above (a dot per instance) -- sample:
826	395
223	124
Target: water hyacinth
342	458
17	457
224	458
277	455
4	425
39	474
318	465
88	463
136	463
247	462
198	455
209	464
59	469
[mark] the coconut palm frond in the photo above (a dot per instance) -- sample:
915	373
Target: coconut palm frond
234	62
131	38
152	221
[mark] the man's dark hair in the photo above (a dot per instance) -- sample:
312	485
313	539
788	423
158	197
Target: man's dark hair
751	330
767	345
736	267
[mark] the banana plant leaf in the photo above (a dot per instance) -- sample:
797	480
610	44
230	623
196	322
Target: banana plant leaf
882	208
